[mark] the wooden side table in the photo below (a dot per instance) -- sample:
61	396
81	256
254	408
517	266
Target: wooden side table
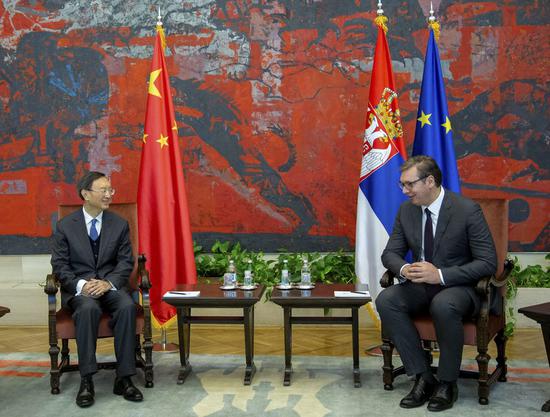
211	296
321	297
541	314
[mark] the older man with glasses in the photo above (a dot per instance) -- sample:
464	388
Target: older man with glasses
92	256
452	249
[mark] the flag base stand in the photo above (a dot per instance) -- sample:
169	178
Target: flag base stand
163	345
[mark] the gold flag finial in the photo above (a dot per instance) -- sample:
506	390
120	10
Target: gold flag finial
433	24
160	31
380	19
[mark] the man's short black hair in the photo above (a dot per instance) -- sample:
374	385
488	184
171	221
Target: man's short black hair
85	183
425	165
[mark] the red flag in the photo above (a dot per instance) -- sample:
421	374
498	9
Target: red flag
163	215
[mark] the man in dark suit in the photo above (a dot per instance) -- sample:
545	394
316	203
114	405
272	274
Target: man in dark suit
452	248
92	256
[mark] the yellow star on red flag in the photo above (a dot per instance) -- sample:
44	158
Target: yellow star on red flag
163	140
153	90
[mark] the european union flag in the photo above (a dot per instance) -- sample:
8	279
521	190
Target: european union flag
433	135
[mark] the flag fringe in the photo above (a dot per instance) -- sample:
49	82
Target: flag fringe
160	31
374	316
171	322
381	21
436	27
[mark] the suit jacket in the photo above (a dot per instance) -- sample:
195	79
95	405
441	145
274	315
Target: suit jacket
73	258
463	246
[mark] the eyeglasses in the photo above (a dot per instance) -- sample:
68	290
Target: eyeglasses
105	191
410	184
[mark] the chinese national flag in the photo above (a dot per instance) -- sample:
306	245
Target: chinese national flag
163	215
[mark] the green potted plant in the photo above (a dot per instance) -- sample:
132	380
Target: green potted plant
524	283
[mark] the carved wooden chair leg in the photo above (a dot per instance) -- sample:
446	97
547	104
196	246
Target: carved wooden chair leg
148	350
482	359
54	368
65	352
500	341
138	345
387	351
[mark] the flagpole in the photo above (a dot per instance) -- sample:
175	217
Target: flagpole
365	263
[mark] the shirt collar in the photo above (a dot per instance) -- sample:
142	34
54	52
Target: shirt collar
435	207
88	218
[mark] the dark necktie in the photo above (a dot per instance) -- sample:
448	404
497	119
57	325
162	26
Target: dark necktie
428	237
93	231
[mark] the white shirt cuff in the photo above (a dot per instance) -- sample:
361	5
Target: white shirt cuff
79	285
401	278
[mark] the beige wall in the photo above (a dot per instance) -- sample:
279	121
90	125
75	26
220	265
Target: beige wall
21	278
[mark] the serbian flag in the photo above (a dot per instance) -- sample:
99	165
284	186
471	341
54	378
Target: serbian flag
163	215
434	135
383	152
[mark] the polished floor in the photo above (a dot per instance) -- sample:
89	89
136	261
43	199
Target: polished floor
525	344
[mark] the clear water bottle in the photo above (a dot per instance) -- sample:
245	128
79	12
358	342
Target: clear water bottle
248	275
285	276
305	274
232	270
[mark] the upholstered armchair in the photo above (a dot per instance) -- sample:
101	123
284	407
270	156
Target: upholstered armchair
480	330
61	325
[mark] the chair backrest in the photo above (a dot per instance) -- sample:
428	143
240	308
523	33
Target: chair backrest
496	214
127	211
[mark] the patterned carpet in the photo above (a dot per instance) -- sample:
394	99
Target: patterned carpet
321	386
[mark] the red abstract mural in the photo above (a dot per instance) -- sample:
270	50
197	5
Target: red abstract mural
270	99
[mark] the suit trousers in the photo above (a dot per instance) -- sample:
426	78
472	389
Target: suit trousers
398	304
87	313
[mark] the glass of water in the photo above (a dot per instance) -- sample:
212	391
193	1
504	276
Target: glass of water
248	282
228	280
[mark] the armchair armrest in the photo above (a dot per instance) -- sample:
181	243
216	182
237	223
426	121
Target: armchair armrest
52	284
143	274
503	277
387	279
51	289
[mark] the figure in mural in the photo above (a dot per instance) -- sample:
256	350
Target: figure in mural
52	92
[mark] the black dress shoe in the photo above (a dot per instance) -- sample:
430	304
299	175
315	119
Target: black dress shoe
444	396
124	386
85	396
420	393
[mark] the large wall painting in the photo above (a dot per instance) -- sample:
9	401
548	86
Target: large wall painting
270	98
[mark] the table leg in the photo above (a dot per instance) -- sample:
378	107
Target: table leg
184	335
355	343
248	314
288	345
546	336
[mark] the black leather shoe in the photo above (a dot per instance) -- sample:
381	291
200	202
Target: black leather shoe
85	396
124	386
444	396
420	393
